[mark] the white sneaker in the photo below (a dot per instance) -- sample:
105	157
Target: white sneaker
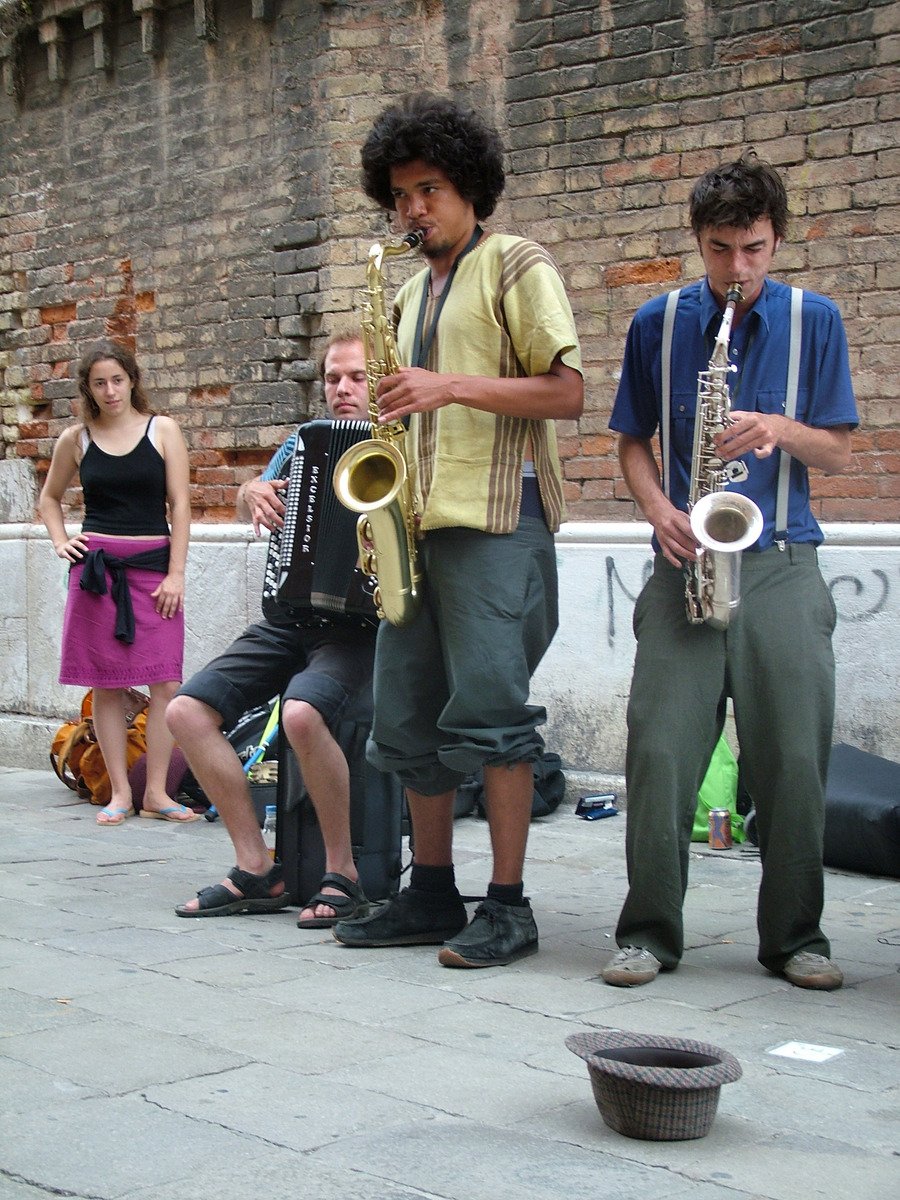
631	967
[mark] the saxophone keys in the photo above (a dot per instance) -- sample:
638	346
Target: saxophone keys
376	600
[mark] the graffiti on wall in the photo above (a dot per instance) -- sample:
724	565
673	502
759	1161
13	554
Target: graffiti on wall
859	600
615	582
857	597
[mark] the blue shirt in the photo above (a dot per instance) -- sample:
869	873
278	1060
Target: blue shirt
759	349
279	458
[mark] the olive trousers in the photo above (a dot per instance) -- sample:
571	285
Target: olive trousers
775	661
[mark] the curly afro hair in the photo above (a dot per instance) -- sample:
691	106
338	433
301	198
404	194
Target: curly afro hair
438	131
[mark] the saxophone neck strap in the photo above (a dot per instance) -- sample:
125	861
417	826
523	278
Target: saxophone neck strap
666	397
790	411
423	339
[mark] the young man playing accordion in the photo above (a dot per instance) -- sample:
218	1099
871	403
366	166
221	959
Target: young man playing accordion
317	665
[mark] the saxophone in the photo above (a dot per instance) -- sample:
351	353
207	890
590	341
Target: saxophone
724	523
372	477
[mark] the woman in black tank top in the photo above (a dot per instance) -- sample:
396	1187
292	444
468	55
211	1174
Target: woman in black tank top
124	621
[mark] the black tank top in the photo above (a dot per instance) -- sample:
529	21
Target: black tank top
124	494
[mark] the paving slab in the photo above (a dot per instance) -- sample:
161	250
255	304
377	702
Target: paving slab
100	1147
54	973
462	1161
154	1058
116	1054
27	1088
294	1111
279	1174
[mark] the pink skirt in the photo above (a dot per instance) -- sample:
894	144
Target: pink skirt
91	655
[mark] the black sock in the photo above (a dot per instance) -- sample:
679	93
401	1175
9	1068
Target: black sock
433	879
507	893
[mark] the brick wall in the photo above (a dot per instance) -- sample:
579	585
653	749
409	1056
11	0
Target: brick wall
198	194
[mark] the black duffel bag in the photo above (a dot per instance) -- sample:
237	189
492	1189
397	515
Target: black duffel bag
862	812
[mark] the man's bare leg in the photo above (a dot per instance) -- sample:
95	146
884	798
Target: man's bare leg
327	778
508	792
503	928
432	828
197	728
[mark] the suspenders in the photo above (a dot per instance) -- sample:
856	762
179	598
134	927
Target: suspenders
666	366
790	409
790	403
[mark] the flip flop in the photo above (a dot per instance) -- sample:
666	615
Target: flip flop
115	816
170	814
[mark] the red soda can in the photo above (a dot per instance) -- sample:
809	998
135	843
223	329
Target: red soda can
720	829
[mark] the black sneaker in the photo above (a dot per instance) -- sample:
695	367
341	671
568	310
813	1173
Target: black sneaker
498	934
412	918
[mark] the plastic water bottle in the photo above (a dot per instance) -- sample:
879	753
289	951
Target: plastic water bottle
269	828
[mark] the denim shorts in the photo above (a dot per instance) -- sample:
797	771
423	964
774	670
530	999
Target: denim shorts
324	665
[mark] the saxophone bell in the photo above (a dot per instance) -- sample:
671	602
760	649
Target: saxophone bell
724	524
371	479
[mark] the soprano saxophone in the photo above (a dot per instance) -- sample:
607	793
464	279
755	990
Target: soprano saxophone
372	477
724	523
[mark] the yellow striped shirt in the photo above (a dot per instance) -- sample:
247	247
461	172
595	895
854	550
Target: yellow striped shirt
506	315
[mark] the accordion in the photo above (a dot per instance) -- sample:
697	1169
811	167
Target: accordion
312	569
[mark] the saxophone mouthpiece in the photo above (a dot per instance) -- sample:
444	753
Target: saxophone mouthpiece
414	238
735	294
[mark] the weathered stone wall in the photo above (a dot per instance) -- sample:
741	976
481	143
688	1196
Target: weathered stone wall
185	176
583	681
151	202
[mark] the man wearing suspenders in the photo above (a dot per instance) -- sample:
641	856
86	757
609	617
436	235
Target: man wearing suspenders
792	408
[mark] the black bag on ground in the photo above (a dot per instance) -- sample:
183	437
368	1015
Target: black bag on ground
376	815
549	789
862	812
549	785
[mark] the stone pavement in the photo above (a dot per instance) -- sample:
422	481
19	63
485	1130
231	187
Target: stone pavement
153	1058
